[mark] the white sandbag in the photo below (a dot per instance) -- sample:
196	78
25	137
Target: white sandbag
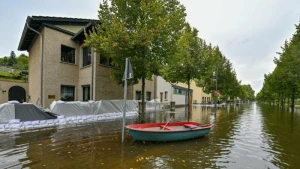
42	122
13	102
13	121
61	121
27	123
35	123
78	117
50	121
2	126
29	126
55	121
60	117
14	126
84	117
68	119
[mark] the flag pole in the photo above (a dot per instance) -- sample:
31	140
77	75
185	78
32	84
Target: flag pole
125	97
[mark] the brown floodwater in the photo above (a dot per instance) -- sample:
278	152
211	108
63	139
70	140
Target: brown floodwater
244	136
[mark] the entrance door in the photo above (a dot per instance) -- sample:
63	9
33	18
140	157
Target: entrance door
17	93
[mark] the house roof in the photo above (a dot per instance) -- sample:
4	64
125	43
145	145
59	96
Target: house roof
38	22
80	34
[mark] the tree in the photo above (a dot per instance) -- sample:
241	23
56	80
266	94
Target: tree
12	59
4	61
22	62
145	30
188	61
284	81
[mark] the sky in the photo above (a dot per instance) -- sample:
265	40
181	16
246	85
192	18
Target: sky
248	32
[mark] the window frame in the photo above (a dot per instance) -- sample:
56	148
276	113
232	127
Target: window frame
166	96
140	95
148	99
62	45
68	86
83	92
82	56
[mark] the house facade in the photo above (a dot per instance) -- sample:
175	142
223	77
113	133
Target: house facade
168	92
61	68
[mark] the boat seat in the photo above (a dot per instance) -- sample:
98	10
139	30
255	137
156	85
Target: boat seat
191	126
166	128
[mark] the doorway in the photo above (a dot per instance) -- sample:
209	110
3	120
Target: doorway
17	93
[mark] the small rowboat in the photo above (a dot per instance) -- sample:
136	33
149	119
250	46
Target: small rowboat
173	131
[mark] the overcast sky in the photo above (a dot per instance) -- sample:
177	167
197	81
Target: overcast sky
248	32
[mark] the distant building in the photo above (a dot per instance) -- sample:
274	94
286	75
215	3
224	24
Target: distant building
178	93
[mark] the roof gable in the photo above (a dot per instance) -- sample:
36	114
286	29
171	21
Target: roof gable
61	24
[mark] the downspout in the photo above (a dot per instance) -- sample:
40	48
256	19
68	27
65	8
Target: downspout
92	80
41	63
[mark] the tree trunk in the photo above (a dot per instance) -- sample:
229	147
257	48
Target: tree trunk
143	96
293	99
188	97
282	100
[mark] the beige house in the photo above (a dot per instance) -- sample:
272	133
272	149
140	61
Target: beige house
168	92
199	96
61	68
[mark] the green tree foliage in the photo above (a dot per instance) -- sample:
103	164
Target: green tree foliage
247	92
4	61
284	82
188	61
145	30
22	62
220	75
12	59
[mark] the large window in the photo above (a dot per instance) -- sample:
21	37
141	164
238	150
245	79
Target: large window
86	93
67	93
138	95
148	96
86	56
67	54
180	91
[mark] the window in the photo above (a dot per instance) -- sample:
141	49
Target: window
86	56
104	60
180	91
166	95
138	95
86	93
67	93
67	54
148	96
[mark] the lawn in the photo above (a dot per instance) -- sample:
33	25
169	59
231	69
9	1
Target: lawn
8	77
5	73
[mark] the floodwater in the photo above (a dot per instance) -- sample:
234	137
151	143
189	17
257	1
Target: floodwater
244	136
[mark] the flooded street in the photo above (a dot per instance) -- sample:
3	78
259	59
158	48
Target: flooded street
244	136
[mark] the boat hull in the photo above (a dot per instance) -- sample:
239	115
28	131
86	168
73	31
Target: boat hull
145	132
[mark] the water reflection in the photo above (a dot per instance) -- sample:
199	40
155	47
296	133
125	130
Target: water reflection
243	136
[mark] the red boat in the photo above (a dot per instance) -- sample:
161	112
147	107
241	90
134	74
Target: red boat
173	131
